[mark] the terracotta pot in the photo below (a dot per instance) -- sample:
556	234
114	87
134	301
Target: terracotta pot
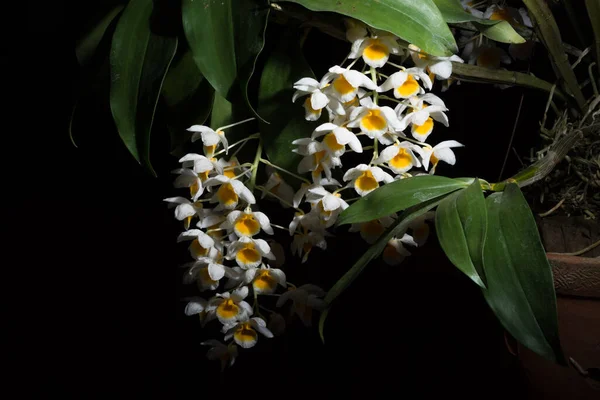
577	284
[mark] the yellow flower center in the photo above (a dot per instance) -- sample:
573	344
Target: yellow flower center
353	102
197	249
366	182
244	333
205	277
376	50
425	128
194	187
342	86
227	196
228	309
373	121
319	156
401	160
332	143
390	251
434	160
308	106
263	281
209	150
248	255
246	225
409	87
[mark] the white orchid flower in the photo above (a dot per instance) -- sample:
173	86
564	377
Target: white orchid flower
344	82
375	51
303	243
405	83
366	178
279	187
210	138
317	101
375	121
336	138
439	66
247	223
371	231
230	192
244	332
230	307
328	201
201	242
400	157
266	279
304	299
470	6
248	252
421	120
198	306
394	252
185	210
440	152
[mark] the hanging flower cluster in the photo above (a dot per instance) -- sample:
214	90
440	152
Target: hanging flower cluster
230	258
354	103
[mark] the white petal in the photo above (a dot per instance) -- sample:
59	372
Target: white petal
239	294
216	271
443	69
322	129
330	203
262	246
264	222
195	306
318	100
446	155
356	79
448	144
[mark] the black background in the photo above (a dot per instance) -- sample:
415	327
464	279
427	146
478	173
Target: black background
108	319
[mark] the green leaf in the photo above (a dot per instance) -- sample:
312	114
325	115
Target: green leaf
452	234
225	37
500	31
397	196
520	288
139	61
417	22
189	100
284	66
396	229
86	46
472	211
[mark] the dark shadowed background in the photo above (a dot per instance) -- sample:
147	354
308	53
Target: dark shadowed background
113	322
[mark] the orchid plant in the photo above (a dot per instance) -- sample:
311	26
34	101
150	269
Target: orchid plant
357	147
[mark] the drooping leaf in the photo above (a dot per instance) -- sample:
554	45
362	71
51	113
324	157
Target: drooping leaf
397	196
520	288
225	37
189	100
417	22
396	229
284	66
500	31
139	61
472	211
86	46
421	25
453	235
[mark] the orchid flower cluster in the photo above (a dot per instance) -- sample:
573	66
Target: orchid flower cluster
233	256
229	233
354	103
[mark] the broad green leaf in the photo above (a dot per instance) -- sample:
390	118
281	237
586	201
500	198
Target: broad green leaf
452	237
500	31
225	37
182	80
397	196
520	288
284	66
189	100
86	46
417	22
139	61
472	211
396	229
